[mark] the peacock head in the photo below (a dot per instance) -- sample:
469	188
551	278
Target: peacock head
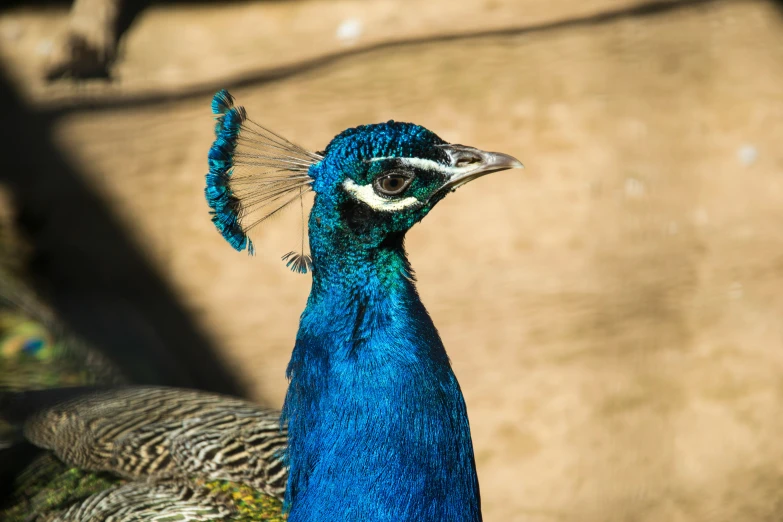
382	179
371	182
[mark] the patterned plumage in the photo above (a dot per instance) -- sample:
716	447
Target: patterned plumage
377	424
165	433
51	491
145	453
125	454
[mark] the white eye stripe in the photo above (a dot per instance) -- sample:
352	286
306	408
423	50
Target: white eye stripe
426	164
366	194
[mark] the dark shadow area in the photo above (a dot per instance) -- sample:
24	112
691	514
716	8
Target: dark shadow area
87	268
13	461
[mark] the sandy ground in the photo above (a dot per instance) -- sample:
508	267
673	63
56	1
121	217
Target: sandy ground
613	312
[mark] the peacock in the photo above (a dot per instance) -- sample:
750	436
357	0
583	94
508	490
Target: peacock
374	425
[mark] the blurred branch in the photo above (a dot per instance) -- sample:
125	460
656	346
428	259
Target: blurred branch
97	102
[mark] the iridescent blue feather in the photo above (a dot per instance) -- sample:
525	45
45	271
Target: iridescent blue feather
222	102
252	170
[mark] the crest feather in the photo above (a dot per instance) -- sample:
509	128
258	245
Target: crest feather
254	173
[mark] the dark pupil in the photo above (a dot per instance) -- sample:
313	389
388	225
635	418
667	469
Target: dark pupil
392	184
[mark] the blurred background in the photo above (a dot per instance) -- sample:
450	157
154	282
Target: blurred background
614	312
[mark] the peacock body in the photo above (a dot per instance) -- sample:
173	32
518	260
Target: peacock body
374	425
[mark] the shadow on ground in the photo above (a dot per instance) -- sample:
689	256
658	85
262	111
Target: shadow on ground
83	263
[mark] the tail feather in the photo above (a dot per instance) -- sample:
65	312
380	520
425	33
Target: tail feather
37	352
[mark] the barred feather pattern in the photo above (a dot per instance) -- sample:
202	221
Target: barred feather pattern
49	491
165	434
138	501
254	173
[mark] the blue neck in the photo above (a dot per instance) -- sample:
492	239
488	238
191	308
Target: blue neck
377	424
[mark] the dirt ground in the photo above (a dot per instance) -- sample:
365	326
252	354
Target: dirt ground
614	312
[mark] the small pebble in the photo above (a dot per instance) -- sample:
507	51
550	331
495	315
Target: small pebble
735	291
349	30
701	217
747	155
634	188
44	48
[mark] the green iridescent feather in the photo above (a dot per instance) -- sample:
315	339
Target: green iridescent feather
48	488
251	505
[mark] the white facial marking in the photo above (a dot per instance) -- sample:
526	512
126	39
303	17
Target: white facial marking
366	194
426	164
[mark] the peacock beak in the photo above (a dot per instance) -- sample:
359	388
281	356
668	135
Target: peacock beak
468	163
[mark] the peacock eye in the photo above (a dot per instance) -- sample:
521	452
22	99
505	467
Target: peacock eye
392	184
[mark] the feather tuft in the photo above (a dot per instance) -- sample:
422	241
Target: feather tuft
222	102
298	262
254	173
